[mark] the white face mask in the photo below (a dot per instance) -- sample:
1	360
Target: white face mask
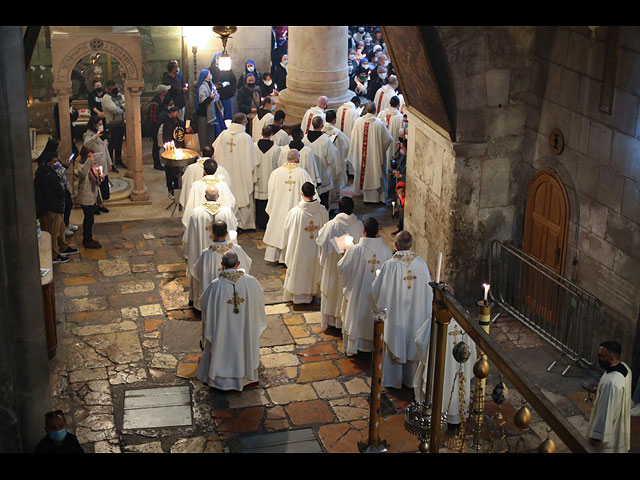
382	76
267	82
250	68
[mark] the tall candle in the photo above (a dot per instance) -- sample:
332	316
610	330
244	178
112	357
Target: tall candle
486	290
438	267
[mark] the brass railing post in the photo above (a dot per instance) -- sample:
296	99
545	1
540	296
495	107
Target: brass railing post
480	371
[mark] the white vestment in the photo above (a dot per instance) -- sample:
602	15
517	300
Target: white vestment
357	272
266	163
234	150
193	173
340	179
281	138
370	140
330	283
392	118
610	420
325	154
346	117
208	266
307	161
308	116
197	195
403	289
234	318
199	236
285	184
452	377
383	97
258	123
302	280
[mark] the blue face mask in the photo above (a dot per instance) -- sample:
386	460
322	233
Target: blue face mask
58	435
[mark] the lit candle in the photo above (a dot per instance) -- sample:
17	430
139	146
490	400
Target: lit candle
348	241
439	267
100	168
377	272
486	290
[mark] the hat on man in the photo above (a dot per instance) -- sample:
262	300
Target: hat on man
162	88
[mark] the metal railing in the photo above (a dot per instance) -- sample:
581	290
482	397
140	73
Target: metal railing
565	315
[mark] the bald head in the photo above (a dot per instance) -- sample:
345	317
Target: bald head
370	108
211	193
393	81
404	240
323	102
293	156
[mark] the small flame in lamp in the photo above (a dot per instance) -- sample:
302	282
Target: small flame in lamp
179	154
486	287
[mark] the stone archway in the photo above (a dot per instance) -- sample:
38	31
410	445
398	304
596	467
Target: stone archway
68	46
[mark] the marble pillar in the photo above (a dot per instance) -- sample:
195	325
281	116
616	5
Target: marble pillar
317	66
133	89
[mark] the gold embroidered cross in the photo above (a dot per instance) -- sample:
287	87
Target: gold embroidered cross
290	182
232	144
235	301
311	228
409	277
455	333
373	262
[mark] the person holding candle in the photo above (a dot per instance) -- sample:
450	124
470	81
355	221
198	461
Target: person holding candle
96	141
400	199
89	179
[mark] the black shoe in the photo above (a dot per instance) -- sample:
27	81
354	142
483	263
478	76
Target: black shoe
69	251
122	165
60	259
96	211
115	170
103	209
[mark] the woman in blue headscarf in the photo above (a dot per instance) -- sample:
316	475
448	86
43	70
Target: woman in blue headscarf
225	83
209	117
250	67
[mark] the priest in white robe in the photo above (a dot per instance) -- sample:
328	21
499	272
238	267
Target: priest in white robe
344	223
317	109
307	157
264	117
384	94
234	318
267	158
609	429
197	191
402	287
285	192
325	154
199	236
341	142
370	140
358	269
280	136
347	115
234	150
392	118
302	280
207	267
195	171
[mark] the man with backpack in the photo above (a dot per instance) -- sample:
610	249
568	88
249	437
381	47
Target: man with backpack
151	121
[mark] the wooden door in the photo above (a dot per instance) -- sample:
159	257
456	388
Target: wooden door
545	239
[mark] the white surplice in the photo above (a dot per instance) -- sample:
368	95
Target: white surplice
302	280
392	118
325	154
340	179
258	123
308	116
197	195
370	140
307	161
610	420
357	272
266	163
403	289
285	184
234	150
346	117
330	283
234	318
193	173
198	236
452	378
383	97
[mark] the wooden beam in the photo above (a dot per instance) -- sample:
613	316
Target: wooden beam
29	41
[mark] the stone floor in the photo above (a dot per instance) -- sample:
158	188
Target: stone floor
124	325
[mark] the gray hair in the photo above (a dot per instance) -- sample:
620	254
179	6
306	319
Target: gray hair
293	155
404	240
230	259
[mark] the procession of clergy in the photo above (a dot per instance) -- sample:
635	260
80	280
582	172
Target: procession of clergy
286	184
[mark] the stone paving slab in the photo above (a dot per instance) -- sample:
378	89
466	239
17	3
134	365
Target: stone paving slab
294	441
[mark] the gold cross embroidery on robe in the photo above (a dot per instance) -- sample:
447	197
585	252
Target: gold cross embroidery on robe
290	182
210	181
373	262
311	228
232	275
405	258
236	300
290	166
409	277
455	334
232	144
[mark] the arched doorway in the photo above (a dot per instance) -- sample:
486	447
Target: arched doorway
547	220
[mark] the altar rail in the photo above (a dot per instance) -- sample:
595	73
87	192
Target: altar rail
562	313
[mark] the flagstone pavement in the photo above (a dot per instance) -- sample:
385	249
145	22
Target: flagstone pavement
124	324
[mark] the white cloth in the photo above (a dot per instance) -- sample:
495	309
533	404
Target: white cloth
281	138
285	184
209	265
234	150
231	356
258	123
610	420
392	118
266	163
330	283
402	287
307	161
193	173
451	381
346	117
308	116
370	140
325	154
340	179
383	97
302	280
197	195
357	272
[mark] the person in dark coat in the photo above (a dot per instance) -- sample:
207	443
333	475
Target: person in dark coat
225	82
57	439
249	68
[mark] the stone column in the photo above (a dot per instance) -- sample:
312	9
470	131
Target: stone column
133	89
317	66
24	369
63	93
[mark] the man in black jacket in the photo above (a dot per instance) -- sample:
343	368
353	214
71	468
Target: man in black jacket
57	440
50	198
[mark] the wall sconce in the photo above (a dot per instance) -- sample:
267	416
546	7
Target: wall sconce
224	62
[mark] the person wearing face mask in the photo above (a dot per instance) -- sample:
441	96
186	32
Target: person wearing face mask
173	78
609	429
386	91
209	117
360	84
95	100
57	439
376	82
225	82
267	88
113	107
174	130
249	96
279	72
249	68
368	45
95	140
359	35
